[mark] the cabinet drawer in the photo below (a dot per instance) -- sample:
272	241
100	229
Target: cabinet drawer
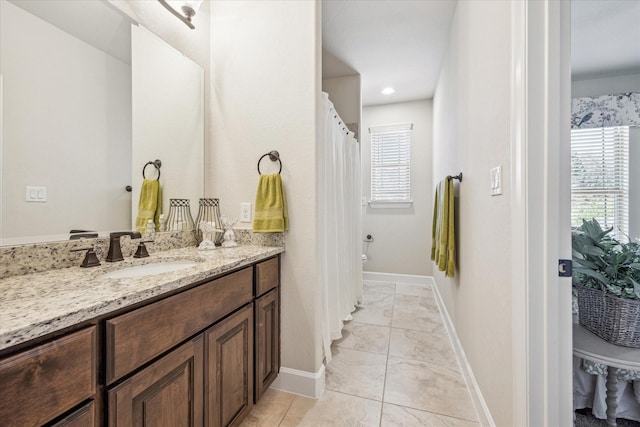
83	417
137	337
42	383
267	275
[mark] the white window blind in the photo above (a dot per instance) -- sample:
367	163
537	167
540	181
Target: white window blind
600	177
391	163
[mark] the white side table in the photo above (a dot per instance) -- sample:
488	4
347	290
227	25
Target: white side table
591	347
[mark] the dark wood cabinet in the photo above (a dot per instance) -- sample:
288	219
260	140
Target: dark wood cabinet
267	275
267	338
139	336
229	369
167	393
201	356
43	383
85	416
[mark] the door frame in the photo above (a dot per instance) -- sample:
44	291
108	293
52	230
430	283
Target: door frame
540	212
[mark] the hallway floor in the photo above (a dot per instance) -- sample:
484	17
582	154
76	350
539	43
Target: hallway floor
394	366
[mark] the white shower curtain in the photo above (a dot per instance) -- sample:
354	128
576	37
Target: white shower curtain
339	224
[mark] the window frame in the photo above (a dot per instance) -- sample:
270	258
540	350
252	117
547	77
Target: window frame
607	176
390	158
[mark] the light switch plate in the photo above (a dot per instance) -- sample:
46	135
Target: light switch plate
36	194
245	212
495	175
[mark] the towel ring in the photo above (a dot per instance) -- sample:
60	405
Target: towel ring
274	156
157	165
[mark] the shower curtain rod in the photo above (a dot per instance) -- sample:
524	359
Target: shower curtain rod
340	121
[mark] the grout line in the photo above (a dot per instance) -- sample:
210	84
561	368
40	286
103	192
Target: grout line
386	362
354	395
295	396
437	413
288	408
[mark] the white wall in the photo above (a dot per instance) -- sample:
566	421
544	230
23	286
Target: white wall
194	44
605	85
345	94
168	120
471	134
66	126
402	237
265	82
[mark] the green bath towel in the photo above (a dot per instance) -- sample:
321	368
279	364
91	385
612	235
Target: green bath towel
443	250
271	206
150	205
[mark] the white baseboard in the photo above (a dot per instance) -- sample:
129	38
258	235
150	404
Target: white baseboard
396	278
482	410
304	383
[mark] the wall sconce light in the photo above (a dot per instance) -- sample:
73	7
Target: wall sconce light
188	9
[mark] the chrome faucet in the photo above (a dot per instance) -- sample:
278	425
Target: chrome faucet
115	252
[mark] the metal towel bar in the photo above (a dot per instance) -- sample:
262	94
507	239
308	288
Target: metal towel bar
274	156
157	163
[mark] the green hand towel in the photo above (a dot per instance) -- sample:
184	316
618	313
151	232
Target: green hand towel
443	228
271	206
441	258
150	204
451	243
434	224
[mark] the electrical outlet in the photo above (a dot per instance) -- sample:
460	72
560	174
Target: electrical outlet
245	212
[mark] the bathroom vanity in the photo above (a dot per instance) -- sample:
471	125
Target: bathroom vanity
192	347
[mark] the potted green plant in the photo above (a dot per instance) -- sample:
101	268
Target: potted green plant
607	279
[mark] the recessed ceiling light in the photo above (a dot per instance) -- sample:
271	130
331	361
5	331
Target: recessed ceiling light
388	91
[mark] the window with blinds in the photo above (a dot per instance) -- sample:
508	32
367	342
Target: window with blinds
391	165
600	177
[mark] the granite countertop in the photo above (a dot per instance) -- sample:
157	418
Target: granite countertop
34	305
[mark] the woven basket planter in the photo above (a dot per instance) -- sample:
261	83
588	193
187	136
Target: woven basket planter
615	320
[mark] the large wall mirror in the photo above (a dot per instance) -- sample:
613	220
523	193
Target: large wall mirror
82	112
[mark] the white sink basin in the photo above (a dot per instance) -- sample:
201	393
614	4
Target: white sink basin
148	269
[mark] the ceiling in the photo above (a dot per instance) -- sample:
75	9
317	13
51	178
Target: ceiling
94	22
402	43
605	38
399	43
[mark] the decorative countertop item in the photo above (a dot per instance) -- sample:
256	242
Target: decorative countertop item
180	218
229	234
209	212
207	231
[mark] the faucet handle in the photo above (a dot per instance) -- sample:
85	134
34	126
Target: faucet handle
118	234
90	258
142	252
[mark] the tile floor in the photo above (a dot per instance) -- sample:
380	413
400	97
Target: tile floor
394	366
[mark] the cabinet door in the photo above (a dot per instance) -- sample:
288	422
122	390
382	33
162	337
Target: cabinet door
229	369
166	393
267	341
